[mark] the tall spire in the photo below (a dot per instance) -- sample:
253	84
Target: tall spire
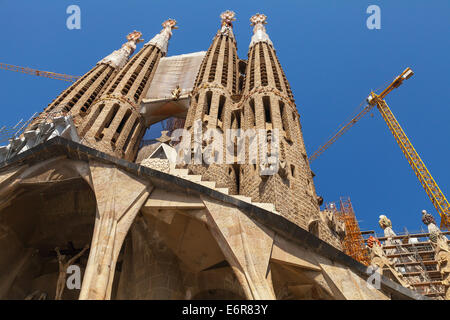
161	40
226	28
259	31
119	58
78	98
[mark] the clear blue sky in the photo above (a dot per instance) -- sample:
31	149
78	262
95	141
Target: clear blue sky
330	58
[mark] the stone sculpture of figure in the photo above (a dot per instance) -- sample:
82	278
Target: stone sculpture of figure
442	250
442	256
380	261
176	93
386	225
433	229
63	265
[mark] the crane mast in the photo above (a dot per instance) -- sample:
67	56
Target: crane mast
432	189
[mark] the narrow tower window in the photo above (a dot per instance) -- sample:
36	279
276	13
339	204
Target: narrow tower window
283	119
124	120
225	63
112	115
208	102
262	63
252	70
266	104
212	71
130	135
253	115
221	105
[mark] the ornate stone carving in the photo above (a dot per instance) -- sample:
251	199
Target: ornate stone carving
227	23
328	217
259	31
442	257
386	225
442	250
119	58
161	40
433	229
176	93
380	261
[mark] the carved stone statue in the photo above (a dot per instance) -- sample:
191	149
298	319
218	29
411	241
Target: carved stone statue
176	93
442	256
63	265
433	229
386	225
442	250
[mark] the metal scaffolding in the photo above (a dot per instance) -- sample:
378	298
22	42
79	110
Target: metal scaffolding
416	261
353	243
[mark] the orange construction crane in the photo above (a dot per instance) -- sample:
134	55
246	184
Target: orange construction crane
47	74
428	183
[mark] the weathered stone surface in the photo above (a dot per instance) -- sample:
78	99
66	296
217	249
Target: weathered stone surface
119	198
246	245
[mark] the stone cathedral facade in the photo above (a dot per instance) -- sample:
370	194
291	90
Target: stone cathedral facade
80	191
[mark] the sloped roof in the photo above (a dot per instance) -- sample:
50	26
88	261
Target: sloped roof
178	70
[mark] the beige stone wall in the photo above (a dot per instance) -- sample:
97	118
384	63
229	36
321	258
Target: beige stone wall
150	269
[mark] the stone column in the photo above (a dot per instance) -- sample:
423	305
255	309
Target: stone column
246	245
119	199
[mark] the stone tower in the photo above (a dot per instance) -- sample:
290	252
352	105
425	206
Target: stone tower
78	98
114	124
268	104
212	104
150	230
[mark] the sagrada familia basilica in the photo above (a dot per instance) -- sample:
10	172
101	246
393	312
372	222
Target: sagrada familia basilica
79	189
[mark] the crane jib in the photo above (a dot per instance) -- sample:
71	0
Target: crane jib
430	186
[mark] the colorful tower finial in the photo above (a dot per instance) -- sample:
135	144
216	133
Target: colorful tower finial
259	31
161	40
135	36
119	58
258	18
227	22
